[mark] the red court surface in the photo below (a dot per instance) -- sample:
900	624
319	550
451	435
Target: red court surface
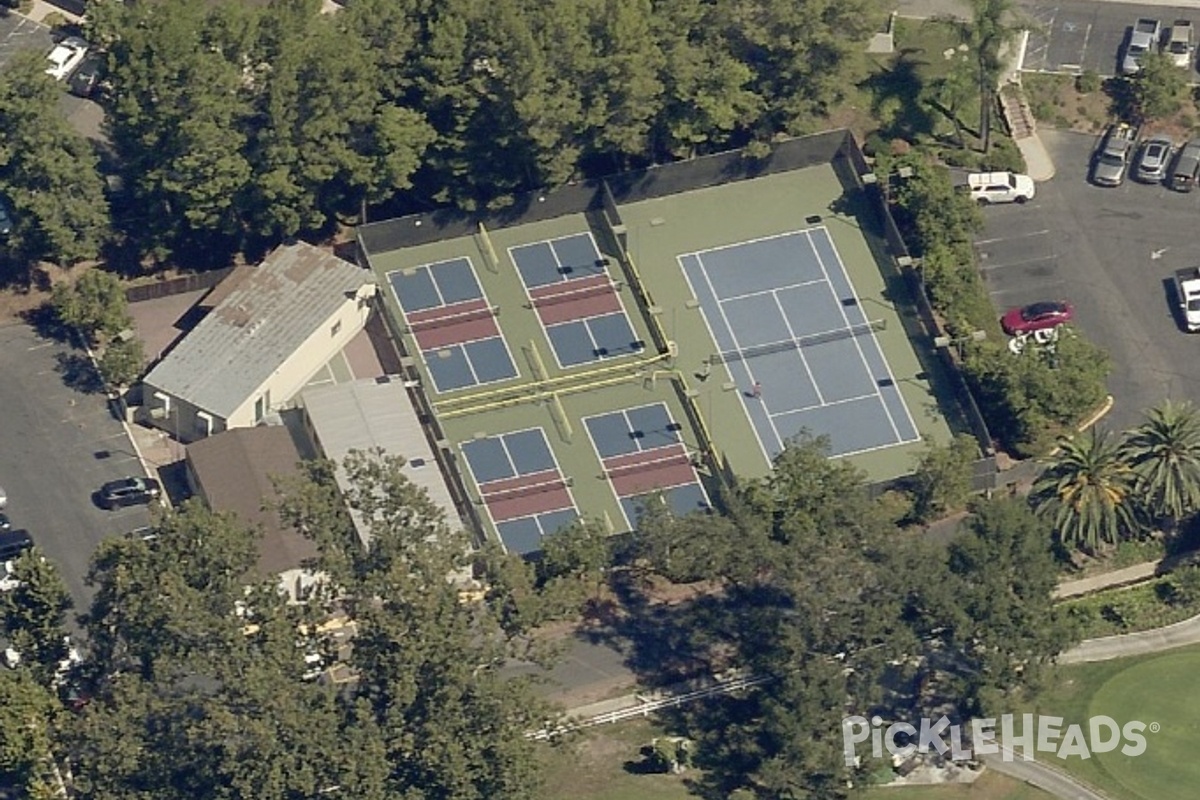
593	296
526	495
467	321
639	473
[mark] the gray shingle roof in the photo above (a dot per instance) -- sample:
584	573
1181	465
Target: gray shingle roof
257	327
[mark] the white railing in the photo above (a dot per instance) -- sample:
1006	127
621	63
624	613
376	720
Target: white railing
645	706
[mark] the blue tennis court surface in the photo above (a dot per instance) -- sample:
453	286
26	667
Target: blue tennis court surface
578	304
445	308
643	453
795	338
522	487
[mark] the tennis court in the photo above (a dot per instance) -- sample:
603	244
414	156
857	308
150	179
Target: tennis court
521	486
577	302
449	316
798	343
642	453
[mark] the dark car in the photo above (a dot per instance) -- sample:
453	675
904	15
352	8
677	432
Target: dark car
13	543
129	492
87	75
6	223
1036	317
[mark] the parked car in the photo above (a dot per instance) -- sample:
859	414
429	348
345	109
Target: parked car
87	76
66	56
999	187
1036	317
129	492
1153	158
5	522
1186	167
1180	43
14	543
1112	159
1143	38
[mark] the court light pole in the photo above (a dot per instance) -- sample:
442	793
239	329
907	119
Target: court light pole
959	341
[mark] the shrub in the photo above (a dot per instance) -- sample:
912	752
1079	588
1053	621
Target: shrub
1005	156
1088	82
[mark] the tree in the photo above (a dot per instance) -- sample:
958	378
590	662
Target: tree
1004	627
27	717
1164	452
47	170
94	305
122	361
579	553
942	481
953	91
1087	489
988	32
35	614
1157	87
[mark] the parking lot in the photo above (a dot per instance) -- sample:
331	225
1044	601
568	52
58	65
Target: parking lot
18	33
1074	37
58	445
1111	252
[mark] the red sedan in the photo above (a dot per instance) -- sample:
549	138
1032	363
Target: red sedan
1036	317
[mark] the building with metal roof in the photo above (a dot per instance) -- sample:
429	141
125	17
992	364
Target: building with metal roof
378	414
275	326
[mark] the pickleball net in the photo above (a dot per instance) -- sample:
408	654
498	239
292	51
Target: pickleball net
800	342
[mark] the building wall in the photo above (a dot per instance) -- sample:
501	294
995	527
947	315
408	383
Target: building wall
287	381
184	422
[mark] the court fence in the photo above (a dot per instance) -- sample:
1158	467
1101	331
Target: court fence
876	191
173	286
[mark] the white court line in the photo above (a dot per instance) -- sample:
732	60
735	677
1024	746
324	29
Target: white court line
713	337
600	460
719	248
857	345
768	291
733	336
887	365
826	405
799	350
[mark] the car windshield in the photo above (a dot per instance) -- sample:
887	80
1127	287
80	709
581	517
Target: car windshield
1193	305
1111	160
1180	48
1012	181
1136	49
1039	310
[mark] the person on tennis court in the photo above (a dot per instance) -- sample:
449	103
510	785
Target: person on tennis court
756	390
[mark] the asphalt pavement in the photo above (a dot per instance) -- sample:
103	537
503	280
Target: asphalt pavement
58	445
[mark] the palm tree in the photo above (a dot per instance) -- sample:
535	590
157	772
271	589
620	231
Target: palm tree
1164	452
990	28
1088	488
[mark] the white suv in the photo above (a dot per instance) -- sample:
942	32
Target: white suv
999	187
66	56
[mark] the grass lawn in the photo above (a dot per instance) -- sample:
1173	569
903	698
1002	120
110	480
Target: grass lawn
595	768
1158	689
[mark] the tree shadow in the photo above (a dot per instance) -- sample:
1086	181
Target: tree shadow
46	323
1122	102
79	373
903	85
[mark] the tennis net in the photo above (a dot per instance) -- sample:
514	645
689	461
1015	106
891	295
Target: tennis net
452	319
512	492
575	294
852	332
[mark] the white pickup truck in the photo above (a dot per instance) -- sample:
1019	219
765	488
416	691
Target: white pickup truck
1143	38
1187	290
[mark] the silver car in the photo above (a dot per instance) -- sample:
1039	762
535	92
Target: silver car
1153	158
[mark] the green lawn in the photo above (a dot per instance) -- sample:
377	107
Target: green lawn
594	768
1159	689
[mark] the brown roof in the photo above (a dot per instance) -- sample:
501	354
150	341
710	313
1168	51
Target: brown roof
233	470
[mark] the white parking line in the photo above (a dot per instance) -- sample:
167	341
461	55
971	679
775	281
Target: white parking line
40	346
989	268
1012	238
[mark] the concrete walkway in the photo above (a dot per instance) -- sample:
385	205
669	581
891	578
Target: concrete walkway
1123	645
1107	580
